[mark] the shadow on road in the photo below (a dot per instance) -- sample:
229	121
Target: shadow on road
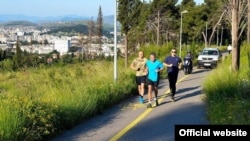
200	71
162	84
192	79
179	97
151	129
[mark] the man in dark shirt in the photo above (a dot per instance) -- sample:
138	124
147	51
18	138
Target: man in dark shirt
173	64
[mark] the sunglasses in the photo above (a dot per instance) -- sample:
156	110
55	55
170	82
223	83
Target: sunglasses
173	51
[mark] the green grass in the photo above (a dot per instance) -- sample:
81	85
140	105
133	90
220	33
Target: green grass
228	92
40	102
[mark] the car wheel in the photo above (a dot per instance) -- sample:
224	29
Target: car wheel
214	66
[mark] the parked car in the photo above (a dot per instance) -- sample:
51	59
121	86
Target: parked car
209	57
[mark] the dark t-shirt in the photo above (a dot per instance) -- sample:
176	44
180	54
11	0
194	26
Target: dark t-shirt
175	60
188	57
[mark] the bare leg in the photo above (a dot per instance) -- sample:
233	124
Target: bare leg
156	91
149	93
139	89
142	89
156	95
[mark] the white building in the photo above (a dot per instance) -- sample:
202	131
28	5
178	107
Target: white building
3	46
3	39
62	46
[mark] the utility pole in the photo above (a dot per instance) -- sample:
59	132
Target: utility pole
115	42
185	11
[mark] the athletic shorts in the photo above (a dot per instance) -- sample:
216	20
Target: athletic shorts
140	79
153	83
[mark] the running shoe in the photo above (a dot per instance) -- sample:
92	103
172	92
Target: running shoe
156	101
141	100
172	99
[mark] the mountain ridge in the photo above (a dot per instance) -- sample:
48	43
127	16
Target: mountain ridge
109	19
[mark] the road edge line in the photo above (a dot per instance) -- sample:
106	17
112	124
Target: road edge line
139	118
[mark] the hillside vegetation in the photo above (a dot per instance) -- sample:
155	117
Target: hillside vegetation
38	103
228	92
41	102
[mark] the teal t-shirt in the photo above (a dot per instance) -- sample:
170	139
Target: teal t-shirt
152	67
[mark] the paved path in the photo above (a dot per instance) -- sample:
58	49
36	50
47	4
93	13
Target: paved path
131	121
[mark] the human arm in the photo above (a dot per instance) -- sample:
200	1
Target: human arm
167	65
160	67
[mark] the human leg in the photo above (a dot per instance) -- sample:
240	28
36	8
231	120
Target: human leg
191	64
142	85
142	89
149	96
141	93
175	76
149	93
139	89
150	87
140	80
156	94
171	82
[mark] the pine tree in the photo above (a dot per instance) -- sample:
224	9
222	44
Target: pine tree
100	27
91	26
17	60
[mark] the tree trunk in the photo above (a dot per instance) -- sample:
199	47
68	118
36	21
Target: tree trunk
158	27
248	21
126	51
204	36
214	28
235	46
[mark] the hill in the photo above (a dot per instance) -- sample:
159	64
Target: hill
34	19
16	23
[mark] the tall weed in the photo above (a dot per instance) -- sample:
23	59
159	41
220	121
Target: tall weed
228	92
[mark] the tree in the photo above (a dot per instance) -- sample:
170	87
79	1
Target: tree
17	60
237	14
81	42
91	26
162	13
100	27
214	13
1	55
128	15
137	34
215	27
248	21
201	20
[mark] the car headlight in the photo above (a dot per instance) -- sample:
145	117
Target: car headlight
215	58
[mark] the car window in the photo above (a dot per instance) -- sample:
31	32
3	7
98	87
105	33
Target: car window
205	52
209	52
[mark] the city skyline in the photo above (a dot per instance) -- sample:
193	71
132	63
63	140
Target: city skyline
45	8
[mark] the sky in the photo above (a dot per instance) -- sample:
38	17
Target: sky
44	8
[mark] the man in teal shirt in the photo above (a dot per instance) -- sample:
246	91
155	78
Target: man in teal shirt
154	66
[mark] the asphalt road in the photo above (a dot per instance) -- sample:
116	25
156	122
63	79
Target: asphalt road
132	121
